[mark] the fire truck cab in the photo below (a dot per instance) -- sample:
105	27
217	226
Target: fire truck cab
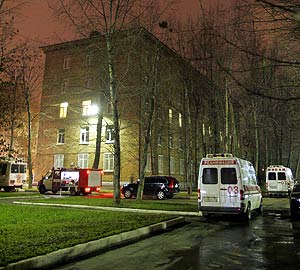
76	181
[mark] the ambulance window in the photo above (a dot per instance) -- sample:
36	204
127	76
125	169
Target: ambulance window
281	176
210	176
22	169
14	168
3	168
272	176
228	176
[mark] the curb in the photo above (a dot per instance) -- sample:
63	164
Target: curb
66	255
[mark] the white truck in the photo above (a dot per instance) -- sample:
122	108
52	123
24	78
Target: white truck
228	185
12	174
76	181
279	180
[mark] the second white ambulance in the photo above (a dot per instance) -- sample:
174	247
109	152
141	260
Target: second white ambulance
228	185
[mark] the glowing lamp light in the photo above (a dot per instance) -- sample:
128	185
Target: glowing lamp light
93	110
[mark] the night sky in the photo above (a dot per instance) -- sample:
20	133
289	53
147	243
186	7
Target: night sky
37	24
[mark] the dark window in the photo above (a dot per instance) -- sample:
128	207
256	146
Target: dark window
14	168
272	176
228	176
3	168
110	133
296	188
210	176
281	176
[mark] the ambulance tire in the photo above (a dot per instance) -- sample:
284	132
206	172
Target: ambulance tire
260	208
42	189
84	193
247	214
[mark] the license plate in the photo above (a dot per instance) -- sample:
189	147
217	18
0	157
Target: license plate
210	199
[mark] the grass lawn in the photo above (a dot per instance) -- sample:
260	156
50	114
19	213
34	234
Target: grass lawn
29	231
169	205
4	194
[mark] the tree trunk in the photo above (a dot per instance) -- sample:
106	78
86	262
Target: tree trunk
98	138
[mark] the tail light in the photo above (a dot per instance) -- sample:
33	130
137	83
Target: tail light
242	195
171	183
98	189
87	190
199	194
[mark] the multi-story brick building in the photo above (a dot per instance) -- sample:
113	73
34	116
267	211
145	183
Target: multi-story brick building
75	86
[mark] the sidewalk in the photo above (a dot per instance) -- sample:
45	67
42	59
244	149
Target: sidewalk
67	255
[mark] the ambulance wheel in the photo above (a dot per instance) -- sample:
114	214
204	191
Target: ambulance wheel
42	189
248	212
84	193
260	208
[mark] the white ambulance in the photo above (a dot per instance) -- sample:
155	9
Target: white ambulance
228	185
279	180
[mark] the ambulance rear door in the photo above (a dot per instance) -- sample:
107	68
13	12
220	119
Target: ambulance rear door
229	186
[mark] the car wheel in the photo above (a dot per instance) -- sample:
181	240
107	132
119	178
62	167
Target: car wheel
72	191
127	193
160	195
42	189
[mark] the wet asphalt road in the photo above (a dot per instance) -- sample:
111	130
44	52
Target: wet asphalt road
269	241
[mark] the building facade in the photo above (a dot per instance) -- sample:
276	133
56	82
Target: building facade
155	87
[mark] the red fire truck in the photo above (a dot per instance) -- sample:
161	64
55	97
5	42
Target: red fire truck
76	181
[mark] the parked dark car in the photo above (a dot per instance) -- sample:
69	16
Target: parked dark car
160	186
295	201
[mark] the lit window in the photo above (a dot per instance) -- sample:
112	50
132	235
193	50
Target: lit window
108	165
170	116
63	110
66	64
84	135
64	86
86	105
180	119
181	166
172	164
160	163
58	161
109	134
170	141
83	160
61	136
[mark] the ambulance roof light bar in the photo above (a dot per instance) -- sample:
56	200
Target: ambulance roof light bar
220	155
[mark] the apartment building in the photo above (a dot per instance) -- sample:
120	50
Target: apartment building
75	90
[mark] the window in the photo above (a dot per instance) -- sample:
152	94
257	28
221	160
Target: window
84	135
86	106
61	136
158	113
172	164
88	60
281	176
3	168
88	82
181	166
272	176
180	120
159	139
210	176
108	162
58	161
66	64
228	176
83	160
63	110
160	163
109	134
181	143
170	141
170	116
148	164
109	108
64	86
